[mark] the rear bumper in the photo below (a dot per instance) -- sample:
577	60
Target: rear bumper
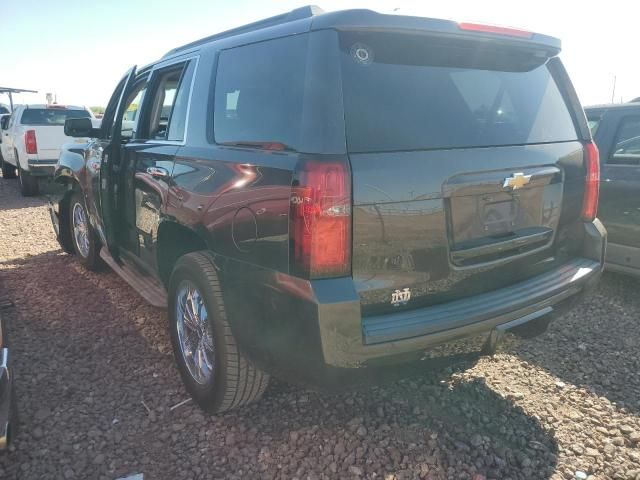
623	259
313	332
41	168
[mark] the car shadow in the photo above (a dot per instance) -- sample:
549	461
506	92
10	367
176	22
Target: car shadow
100	395
596	344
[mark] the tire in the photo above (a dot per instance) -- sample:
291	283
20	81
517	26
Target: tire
8	170
85	241
232	381
28	183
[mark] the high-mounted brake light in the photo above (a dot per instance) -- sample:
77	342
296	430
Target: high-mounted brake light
30	143
482	28
592	182
320	215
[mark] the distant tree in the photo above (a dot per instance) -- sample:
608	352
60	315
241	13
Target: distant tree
97	110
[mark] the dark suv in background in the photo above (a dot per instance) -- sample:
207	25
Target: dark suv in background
616	131
317	194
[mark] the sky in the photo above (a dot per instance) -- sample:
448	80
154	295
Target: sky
79	49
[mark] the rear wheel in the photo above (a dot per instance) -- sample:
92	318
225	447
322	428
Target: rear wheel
214	371
85	241
8	170
28	183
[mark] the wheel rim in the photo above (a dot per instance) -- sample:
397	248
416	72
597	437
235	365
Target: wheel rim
194	332
81	230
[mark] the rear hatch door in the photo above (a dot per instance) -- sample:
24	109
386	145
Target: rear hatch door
461	154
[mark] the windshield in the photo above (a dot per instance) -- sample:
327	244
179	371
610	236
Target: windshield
50	116
406	92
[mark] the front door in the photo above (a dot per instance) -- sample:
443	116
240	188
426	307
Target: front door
105	156
620	186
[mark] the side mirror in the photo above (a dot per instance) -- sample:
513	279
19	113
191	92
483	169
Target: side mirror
79	127
4	123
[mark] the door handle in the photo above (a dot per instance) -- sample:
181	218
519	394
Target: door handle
158	172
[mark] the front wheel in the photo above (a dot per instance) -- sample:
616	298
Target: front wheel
85	241
214	371
8	170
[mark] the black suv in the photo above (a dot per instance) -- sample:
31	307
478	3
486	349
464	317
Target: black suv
616	131
317	194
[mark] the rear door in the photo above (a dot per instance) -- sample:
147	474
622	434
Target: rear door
149	156
466	167
619	147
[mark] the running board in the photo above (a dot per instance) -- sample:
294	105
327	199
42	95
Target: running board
148	287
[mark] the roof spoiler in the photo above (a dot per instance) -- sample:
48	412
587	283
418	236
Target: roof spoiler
370	20
296	14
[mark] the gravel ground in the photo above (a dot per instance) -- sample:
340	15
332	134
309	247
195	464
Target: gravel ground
96	381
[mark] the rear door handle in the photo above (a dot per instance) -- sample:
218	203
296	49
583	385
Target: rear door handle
158	172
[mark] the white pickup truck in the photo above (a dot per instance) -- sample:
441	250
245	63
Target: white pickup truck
31	139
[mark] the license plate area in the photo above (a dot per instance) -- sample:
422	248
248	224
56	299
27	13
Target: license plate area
500	217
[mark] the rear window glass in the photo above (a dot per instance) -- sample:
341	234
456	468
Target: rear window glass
50	116
259	92
406	92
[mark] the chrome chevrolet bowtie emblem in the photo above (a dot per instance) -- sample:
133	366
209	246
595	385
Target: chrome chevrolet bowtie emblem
516	181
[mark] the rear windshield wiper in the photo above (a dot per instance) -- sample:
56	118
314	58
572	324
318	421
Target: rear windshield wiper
272	146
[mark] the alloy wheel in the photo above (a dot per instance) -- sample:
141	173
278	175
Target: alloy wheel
194	332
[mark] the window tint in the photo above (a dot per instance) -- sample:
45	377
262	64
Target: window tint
131	114
178	118
50	116
594	123
405	92
627	146
169	110
258	93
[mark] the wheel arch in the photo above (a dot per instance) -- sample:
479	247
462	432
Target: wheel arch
173	241
64	217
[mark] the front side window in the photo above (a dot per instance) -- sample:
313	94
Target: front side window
131	114
259	93
170	102
627	146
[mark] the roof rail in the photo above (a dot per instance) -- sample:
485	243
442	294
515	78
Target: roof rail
296	14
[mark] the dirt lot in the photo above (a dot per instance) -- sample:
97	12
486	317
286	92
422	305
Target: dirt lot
95	379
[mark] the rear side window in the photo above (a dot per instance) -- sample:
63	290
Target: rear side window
627	147
50	116
258	93
170	102
407	92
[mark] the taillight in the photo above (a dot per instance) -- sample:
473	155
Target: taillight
592	182
320	214
30	142
496	30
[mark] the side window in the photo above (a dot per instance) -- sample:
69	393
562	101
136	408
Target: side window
110	112
627	146
258	94
170	102
131	115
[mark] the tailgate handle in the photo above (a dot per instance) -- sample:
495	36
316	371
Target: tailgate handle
517	241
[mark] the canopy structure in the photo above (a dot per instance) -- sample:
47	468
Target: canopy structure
11	91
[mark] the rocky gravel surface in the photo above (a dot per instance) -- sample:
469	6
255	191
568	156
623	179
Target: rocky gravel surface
96	383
